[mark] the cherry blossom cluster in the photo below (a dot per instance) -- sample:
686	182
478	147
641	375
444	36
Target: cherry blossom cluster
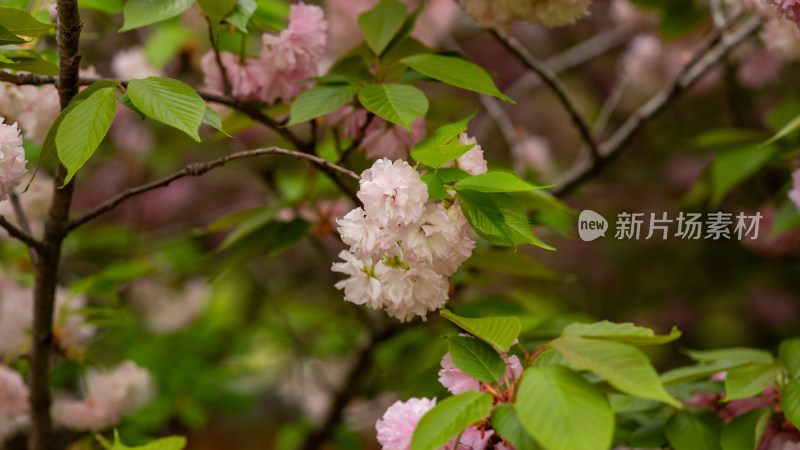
12	158
402	246
396	427
789	9
503	13
285	63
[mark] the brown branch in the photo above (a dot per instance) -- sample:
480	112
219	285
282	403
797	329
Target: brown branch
68	33
198	169
515	47
24	225
692	72
226	84
19	234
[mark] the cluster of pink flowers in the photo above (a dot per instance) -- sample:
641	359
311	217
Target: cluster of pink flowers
109	396
34	108
396	427
402	247
286	61
14	404
789	9
12	158
503	13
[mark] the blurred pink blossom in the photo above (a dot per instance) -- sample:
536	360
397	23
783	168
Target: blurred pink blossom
454	379
782	37
471	439
760	68
398	423
12	158
14	404
789	9
386	140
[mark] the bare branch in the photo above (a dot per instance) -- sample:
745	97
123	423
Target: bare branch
693	71
198	169
23	221
515	47
19	234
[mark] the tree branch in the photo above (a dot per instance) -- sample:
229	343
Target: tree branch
693	71
68	33
19	234
198	169
24	225
515	47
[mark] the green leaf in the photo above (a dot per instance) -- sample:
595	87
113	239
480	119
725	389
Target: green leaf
126	102
563	411
623	332
735	165
739	355
212	119
789	354
396	103
7	37
506	424
625	367
510	262
106	6
499	332
450	174
165	42
476	359
435	186
241	14
686	430
484	214
216	10
456	72
139	13
167	443
381	23
516	224
170	102
749	380
745	432
435	152
320	100
21	23
699	372
83	128
448	418
726	137
29	61
495	181
787	129
790	402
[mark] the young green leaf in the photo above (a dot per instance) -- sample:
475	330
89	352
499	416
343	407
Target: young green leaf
167	443
139	13
381	23
789	354
7	37
623	332
216	10
739	355
476	359
456	72
83	128
506	424
396	103
448	418
21	23
241	14
106	6
435	186
442	146
497	331
495	181
750	380
625	367
563	411
699	372
516	224
483	213
169	101
126	102
450	174
745	432
212	119
687	430
790	402
320	100
733	166
787	129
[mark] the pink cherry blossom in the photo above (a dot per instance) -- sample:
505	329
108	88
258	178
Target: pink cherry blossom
363	285
794	193
385	140
472	161
393	193
456	381
789	9
413	292
133	63
12	158
167	310
760	68
351	119
782	37
363	234
398	423
471	439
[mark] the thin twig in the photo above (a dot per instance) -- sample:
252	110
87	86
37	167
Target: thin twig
198	169
692	72
19	234
226	84
22	219
515	47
